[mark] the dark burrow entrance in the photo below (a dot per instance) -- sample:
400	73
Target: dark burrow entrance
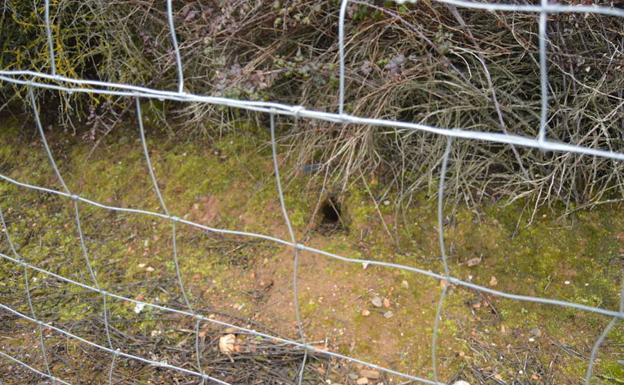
331	219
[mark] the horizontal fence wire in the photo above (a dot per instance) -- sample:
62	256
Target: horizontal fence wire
120	89
53	81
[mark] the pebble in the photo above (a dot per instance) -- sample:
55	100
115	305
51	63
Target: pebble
377	302
405	284
388	314
138	308
362	381
365	312
473	262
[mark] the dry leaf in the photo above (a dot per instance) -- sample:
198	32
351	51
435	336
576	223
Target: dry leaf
226	344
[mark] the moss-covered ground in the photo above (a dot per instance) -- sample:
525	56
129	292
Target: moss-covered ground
228	182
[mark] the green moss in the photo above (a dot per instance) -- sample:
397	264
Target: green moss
236	171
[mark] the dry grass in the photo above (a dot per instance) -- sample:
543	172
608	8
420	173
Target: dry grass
426	63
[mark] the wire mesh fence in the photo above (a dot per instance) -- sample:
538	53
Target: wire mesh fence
53	81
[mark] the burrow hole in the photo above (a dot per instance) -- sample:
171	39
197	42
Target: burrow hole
331	215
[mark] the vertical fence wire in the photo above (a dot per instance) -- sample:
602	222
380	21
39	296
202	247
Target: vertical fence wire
176	48
543	68
295	247
48	28
602	337
447	273
31	308
75	201
341	54
173	220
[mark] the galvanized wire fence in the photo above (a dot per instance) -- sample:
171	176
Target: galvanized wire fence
53	81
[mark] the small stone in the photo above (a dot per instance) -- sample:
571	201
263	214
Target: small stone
365	312
353	376
138	308
567	282
362	381
536	332
377	302
405	284
460	382
149	269
371	374
386	302
141	265
493	281
388	314
473	262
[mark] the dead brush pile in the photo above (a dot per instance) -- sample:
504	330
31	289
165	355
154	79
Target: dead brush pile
426	62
